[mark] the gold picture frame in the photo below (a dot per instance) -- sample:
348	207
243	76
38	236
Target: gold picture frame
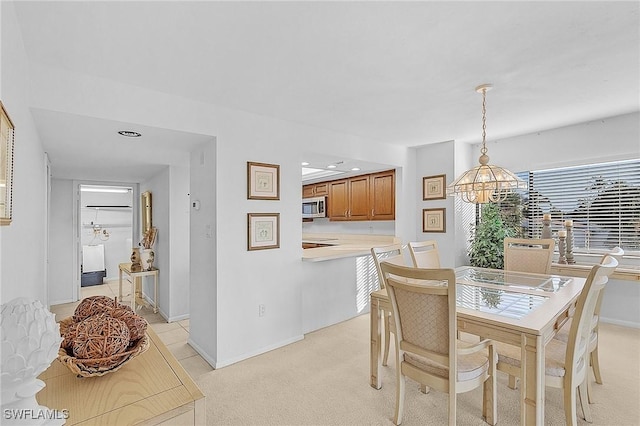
7	145
263	181
433	187
434	220
264	231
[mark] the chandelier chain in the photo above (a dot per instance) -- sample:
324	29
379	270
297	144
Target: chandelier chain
484	120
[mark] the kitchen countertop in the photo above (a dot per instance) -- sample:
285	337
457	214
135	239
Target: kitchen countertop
343	245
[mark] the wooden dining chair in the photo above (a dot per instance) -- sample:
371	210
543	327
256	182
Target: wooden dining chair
393	253
566	363
563	333
424	254
427	349
528	255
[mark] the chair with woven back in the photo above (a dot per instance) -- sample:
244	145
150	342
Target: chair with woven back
528	254
566	363
393	253
423	303
563	333
424	254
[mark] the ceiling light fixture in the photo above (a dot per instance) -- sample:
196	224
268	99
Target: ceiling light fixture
129	133
485	183
355	169
331	166
305	163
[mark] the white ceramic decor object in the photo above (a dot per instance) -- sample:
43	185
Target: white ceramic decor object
30	341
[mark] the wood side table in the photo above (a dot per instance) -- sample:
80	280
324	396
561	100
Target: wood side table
152	388
136	285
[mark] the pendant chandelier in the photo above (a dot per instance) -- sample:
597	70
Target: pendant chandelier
485	183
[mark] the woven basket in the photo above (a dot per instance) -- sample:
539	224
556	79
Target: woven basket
87	367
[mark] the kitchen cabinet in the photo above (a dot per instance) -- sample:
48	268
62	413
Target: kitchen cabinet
382	196
364	197
315	190
349	199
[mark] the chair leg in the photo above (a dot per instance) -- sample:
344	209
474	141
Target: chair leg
400	385
424	388
582	392
490	395
595	363
570	405
387	338
590	392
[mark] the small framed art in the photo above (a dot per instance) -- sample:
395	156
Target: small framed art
434	220
263	181
264	231
433	187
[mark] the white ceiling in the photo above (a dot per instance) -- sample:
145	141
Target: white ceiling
397	72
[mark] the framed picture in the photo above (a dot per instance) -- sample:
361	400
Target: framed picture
433	187
6	167
434	220
264	231
263	181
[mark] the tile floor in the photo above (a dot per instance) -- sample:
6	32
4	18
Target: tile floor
174	334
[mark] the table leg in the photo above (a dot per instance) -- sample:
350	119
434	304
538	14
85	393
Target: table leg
376	347
532	390
134	291
120	285
155	293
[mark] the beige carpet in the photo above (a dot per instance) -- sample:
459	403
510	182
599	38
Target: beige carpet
324	380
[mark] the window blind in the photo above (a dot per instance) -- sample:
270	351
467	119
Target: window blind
603	200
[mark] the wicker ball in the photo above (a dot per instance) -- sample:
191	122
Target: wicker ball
69	336
100	336
136	324
93	305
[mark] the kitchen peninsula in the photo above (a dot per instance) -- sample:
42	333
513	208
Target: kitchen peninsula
320	247
339	277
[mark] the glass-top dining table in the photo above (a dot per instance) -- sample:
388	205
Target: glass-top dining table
518	308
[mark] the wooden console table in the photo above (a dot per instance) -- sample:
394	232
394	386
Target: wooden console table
152	388
136	285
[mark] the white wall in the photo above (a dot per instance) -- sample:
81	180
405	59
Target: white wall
436	159
179	244
61	232
22	243
170	215
203	296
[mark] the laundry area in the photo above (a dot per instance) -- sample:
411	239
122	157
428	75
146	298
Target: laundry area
106	221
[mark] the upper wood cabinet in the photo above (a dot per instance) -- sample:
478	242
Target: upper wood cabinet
382	196
315	190
366	197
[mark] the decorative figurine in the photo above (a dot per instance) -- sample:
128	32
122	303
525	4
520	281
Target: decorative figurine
30	342
568	224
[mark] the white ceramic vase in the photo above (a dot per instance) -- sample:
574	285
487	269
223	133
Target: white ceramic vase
146	259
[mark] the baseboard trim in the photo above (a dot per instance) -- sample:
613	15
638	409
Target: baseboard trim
220	364
613	321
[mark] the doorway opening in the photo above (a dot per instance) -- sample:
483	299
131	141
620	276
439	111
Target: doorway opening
105	231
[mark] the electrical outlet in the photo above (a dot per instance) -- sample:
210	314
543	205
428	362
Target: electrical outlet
261	310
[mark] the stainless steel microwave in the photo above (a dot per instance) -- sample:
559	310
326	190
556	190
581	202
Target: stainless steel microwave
314	207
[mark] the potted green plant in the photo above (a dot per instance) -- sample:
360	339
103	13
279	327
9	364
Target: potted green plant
497	221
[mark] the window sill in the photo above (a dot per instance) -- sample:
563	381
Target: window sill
624	272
